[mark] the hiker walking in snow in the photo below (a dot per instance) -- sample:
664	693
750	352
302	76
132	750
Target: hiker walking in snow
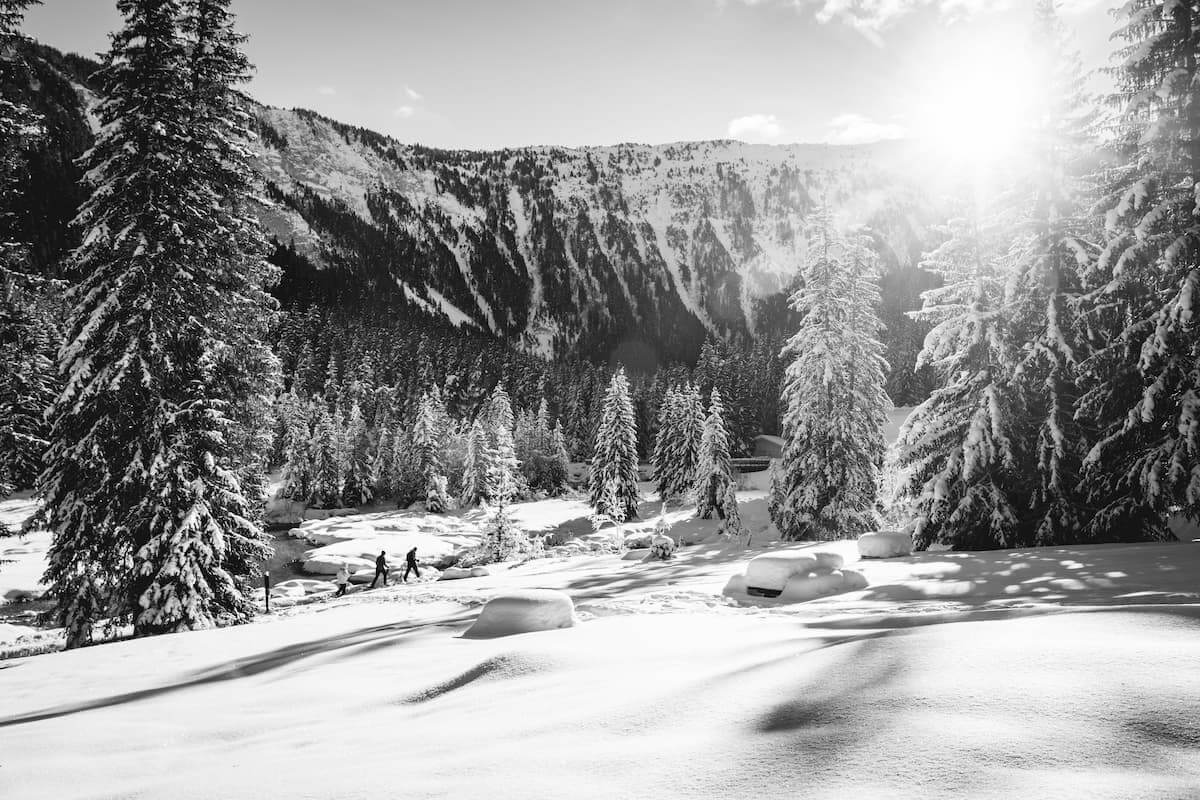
410	563
380	568
342	579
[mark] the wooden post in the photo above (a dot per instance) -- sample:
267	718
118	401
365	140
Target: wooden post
267	590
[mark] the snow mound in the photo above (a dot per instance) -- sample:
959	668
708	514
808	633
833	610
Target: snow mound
523	611
771	571
885	544
793	576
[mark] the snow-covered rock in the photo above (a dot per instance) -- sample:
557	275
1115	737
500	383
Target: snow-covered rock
480	572
638	554
524	611
885	544
455	574
796	575
771	571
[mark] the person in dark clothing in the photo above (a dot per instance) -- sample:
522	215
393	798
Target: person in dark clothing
380	568
410	564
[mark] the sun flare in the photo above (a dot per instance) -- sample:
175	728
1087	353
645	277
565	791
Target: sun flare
975	112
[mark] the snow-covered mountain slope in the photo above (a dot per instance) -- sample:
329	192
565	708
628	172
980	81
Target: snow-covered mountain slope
574	248
576	251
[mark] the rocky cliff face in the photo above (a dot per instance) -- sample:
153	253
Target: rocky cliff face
573	249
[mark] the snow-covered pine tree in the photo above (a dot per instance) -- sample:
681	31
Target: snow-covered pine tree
437	499
357	484
666	439
141	487
732	526
428	439
690	440
502	539
476	465
381	464
826	486
503	472
1046	259
325	488
614	460
26	361
560	460
1141	385
296	448
960	449
714	472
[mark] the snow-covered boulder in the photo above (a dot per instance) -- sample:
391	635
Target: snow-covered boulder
638	554
524	611
771	571
480	572
885	544
455	574
298	588
793	576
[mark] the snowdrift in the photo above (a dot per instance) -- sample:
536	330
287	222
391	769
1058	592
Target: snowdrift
523	611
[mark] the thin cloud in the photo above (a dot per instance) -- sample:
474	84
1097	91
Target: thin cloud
858	129
413	94
756	128
404	111
327	91
871	17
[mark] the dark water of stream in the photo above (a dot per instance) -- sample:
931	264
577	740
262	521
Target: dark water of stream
285	563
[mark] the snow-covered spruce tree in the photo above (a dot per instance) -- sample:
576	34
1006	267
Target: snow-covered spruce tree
141	488
357	484
381	464
614	459
1141	385
27	387
732	527
559	460
428	436
827	483
503	470
326	453
963	474
502	538
296	448
666	438
714	472
690	440
476	465
1046	260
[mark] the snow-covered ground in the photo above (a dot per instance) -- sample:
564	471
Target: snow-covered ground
1058	672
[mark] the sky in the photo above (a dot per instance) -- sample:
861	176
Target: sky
485	74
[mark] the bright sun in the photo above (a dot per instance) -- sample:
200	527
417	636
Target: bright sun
974	113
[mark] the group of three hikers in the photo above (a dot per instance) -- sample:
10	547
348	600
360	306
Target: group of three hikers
381	569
